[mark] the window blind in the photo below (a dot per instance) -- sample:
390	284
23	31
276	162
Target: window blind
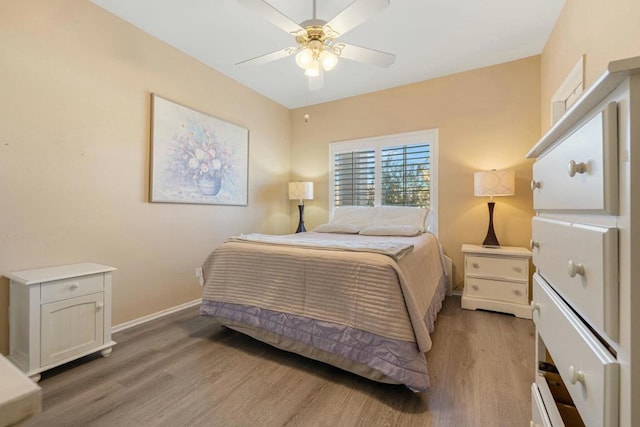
354	178
406	175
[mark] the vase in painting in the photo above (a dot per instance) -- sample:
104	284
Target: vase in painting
209	185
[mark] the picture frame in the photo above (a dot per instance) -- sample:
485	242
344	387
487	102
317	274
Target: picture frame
195	157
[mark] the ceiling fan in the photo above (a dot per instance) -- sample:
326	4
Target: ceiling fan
316	49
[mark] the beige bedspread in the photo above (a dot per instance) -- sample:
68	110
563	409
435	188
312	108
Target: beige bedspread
385	297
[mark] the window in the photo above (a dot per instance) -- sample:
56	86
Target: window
389	170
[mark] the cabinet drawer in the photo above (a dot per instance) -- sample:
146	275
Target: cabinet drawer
69	288
589	371
497	290
581	262
497	268
581	173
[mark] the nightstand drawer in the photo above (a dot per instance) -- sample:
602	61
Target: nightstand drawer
504	268
497	290
69	288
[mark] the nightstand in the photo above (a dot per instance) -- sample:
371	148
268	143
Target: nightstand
497	279
58	314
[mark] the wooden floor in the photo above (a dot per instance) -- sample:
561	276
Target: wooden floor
185	370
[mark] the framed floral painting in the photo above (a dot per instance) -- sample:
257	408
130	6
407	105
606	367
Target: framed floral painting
196	158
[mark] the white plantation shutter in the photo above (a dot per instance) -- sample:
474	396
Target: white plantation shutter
388	170
406	173
354	175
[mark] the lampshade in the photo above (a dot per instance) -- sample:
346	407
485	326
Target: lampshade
304	58
301	191
494	183
313	70
328	60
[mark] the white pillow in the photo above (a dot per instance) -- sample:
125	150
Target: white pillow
400	215
391	230
353	215
331	227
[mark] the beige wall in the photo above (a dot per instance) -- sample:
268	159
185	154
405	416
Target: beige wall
487	118
601	30
74	155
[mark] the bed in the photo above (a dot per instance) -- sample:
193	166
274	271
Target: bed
361	293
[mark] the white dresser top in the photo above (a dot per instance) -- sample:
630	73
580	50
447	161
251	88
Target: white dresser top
20	397
48	274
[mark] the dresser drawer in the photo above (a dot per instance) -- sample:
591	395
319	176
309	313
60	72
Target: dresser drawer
589	371
581	173
497	268
497	290
69	288
539	417
581	262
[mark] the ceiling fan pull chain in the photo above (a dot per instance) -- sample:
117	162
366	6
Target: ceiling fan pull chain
314	9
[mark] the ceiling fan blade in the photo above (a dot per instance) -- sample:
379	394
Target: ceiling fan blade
272	15
365	55
269	57
355	14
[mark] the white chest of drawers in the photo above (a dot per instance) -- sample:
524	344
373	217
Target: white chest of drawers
496	279
59	314
586	249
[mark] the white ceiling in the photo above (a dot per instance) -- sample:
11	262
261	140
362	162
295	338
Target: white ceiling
431	38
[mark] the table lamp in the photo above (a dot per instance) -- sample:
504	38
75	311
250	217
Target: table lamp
301	191
493	183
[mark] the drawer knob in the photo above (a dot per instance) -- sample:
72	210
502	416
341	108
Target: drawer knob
573	269
475	288
73	286
99	306
518	269
475	265
518	292
534	184
535	307
574	168
575	376
533	244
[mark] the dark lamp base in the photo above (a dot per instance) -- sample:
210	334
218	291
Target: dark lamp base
301	228
491	241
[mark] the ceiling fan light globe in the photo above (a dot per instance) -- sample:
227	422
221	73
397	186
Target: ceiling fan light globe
313	70
328	60
304	58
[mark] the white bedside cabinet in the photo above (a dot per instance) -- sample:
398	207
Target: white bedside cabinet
497	279
58	314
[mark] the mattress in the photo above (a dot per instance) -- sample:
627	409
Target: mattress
367	312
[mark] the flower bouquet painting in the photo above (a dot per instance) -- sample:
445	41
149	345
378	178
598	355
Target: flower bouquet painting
196	158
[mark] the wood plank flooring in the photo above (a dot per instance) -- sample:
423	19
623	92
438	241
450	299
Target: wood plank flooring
185	370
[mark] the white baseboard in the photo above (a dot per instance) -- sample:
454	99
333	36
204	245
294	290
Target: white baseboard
153	316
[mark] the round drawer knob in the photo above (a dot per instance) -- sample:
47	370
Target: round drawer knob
574	268
475	287
475	265
99	306
574	168
534	184
533	244
575	375
518	292
535	307
518	269
73	286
